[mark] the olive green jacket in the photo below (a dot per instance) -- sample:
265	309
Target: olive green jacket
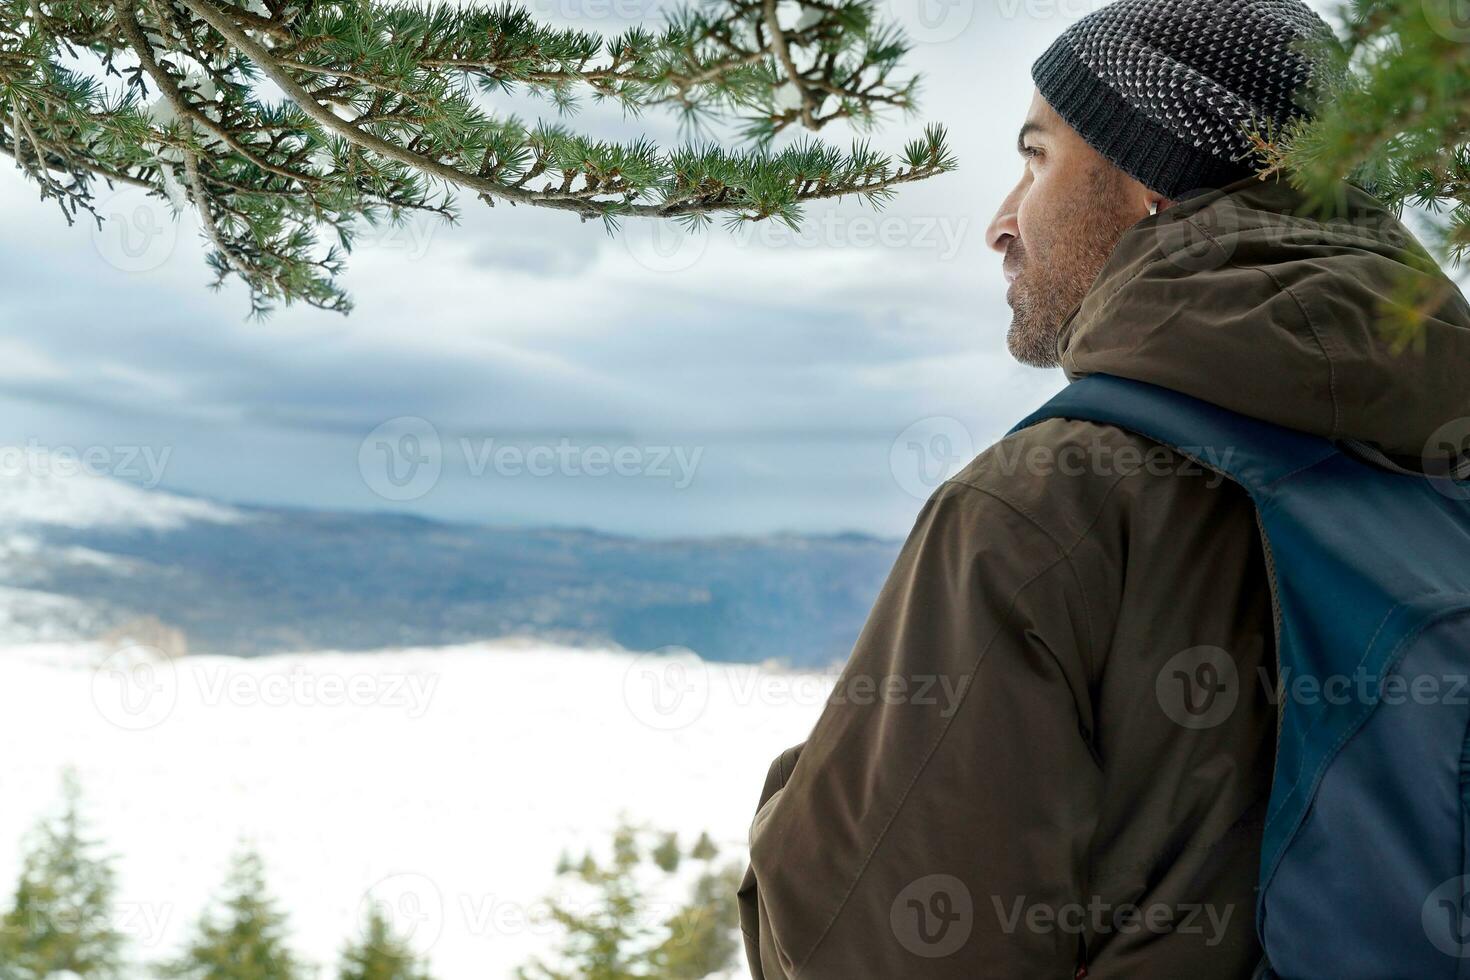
1012	779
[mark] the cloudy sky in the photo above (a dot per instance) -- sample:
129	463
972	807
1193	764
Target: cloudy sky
523	368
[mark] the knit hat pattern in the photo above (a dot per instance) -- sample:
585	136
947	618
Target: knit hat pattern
1169	90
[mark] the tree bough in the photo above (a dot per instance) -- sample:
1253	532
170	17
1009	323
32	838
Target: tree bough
388	111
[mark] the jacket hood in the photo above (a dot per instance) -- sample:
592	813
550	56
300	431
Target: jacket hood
1244	297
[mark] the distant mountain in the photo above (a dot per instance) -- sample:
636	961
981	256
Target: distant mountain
82	554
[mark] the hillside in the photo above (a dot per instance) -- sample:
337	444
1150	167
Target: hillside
84	553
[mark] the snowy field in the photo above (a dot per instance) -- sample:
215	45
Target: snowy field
443	782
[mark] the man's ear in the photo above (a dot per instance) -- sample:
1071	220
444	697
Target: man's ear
1157	203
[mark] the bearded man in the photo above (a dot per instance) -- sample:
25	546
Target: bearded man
1088	595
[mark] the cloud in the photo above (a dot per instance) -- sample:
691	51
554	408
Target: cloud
793	359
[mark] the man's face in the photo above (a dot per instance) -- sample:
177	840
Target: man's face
1057	227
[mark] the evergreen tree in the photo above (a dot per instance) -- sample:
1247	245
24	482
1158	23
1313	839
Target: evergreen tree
276	120
666	855
704	849
244	938
1394	116
702	935
615	934
602	938
379	954
61	918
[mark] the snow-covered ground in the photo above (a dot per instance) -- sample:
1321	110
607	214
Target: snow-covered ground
443	782
70	490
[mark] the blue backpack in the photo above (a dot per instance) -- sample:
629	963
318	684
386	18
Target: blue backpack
1365	861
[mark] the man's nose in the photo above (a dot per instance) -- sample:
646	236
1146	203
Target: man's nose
1003	226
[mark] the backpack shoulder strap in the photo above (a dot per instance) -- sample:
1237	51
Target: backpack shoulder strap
1364	564
1253	453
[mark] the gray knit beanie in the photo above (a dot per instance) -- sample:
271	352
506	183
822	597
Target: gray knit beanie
1166	89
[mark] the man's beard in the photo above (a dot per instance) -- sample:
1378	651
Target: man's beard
1056	273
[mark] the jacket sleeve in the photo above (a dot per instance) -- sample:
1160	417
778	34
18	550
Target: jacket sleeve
950	788
751	924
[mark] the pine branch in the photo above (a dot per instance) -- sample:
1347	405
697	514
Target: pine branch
1393	115
386	113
